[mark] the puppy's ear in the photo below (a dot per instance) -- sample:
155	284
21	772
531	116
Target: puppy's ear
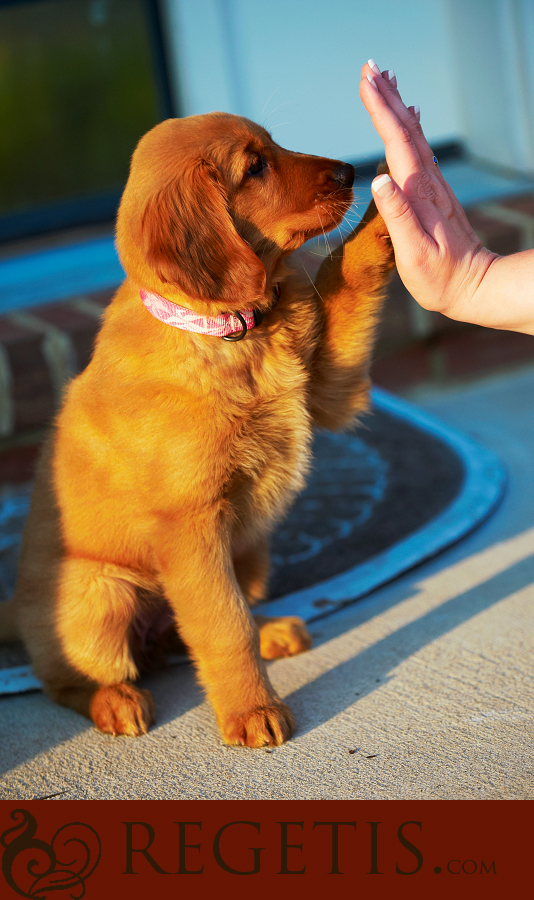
190	240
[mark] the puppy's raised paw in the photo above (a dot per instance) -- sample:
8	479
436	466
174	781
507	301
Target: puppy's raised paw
122	709
286	636
264	726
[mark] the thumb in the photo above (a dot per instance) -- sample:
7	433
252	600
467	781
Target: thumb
401	221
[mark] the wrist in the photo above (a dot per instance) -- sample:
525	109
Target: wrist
470	301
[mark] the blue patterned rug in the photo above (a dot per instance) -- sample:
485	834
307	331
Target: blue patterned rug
378	502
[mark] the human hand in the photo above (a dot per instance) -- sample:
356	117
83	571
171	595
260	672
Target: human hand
439	257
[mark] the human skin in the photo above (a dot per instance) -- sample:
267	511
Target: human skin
438	256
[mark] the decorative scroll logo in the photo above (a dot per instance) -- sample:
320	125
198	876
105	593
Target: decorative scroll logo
33	868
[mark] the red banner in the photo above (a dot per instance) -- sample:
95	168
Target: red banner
140	849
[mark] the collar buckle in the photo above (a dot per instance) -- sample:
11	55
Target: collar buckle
238	335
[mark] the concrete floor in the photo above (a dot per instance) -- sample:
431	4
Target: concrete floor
423	690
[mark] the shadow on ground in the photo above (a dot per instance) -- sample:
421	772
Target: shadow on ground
176	691
373	665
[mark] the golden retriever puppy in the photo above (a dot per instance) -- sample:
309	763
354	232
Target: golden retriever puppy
185	439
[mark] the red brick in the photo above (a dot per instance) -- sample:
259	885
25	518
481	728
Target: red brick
524	203
444	325
64	316
497	236
33	395
403	368
103	297
17	464
12	331
79	326
84	344
483	350
395	325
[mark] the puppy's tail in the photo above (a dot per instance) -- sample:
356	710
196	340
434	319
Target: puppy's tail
8	622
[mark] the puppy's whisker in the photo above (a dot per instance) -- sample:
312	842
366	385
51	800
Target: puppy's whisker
349	216
351	222
314	253
268	101
342	236
341	208
285	103
327	245
337	226
339	190
312	282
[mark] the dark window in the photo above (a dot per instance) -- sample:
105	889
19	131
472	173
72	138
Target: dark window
80	82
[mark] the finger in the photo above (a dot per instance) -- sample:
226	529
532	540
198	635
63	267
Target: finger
410	118
404	115
390	77
415	110
384	85
401	150
405	229
404	140
407	152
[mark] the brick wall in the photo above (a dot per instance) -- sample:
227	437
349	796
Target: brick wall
42	347
40	350
416	345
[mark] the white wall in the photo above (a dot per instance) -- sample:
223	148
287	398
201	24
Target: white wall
493	51
294	65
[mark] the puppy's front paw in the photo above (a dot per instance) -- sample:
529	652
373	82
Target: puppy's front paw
283	637
264	726
122	709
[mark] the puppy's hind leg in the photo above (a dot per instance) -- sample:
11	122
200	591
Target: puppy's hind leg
251	567
81	652
282	636
279	636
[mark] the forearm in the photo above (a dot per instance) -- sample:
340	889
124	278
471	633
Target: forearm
504	296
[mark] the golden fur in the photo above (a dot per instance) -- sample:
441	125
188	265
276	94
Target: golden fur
175	454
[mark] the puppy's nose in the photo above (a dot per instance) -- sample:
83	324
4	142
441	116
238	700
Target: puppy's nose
344	175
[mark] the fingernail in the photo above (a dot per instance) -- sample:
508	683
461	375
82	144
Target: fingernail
417	113
371	80
392	78
372	65
381	185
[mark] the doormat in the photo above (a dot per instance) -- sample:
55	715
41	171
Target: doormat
379	501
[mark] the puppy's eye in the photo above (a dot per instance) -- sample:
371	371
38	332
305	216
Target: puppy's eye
256	166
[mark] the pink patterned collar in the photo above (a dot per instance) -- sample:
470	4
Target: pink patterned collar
230	326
